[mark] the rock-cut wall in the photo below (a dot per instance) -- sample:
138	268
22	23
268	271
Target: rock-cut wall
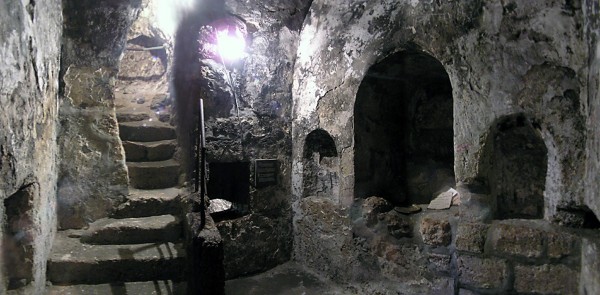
93	175
30	34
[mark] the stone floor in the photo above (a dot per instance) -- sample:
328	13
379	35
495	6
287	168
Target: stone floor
131	288
294	279
289	279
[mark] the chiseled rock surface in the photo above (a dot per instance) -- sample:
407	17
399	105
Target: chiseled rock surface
323	238
517	239
436	230
471	237
546	279
92	174
254	243
372	206
141	203
30	46
483	273
590	266
73	262
152	229
502	58
592	180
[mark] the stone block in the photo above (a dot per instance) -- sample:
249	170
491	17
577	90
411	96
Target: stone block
435	231
398	225
471	237
517	239
546	279
482	273
561	244
441	263
371	208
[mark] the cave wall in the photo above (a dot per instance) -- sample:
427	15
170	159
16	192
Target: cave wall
590	281
261	81
29	69
92	173
592	182
520	57
502	58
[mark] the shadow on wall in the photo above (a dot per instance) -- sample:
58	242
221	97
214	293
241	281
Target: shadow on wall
403	124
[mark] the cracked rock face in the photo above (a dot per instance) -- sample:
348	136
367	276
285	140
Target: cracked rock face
29	68
93	176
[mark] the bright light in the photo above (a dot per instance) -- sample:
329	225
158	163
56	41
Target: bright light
168	13
231	46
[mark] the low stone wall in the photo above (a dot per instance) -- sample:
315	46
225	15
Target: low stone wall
524	256
439	250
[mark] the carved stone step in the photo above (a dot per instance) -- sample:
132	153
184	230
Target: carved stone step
72	262
149	151
146	131
153	175
141	203
152	229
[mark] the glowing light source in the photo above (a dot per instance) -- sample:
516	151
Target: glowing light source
231	46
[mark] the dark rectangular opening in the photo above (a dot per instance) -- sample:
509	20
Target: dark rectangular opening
18	240
229	189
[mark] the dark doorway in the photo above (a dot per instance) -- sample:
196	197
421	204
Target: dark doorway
229	189
403	128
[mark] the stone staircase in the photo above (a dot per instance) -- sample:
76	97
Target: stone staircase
139	249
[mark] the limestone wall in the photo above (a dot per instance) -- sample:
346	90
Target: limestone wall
247	107
592	183
518	58
29	69
503	59
590	274
92	175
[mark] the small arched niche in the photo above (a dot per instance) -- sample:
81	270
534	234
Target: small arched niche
516	168
320	162
403	124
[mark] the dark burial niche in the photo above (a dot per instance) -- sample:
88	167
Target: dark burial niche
404	149
517	168
228	188
17	243
320	165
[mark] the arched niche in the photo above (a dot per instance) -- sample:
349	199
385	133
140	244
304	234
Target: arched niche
515	163
320	162
403	129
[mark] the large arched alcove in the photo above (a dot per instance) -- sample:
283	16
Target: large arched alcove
403	129
515	161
